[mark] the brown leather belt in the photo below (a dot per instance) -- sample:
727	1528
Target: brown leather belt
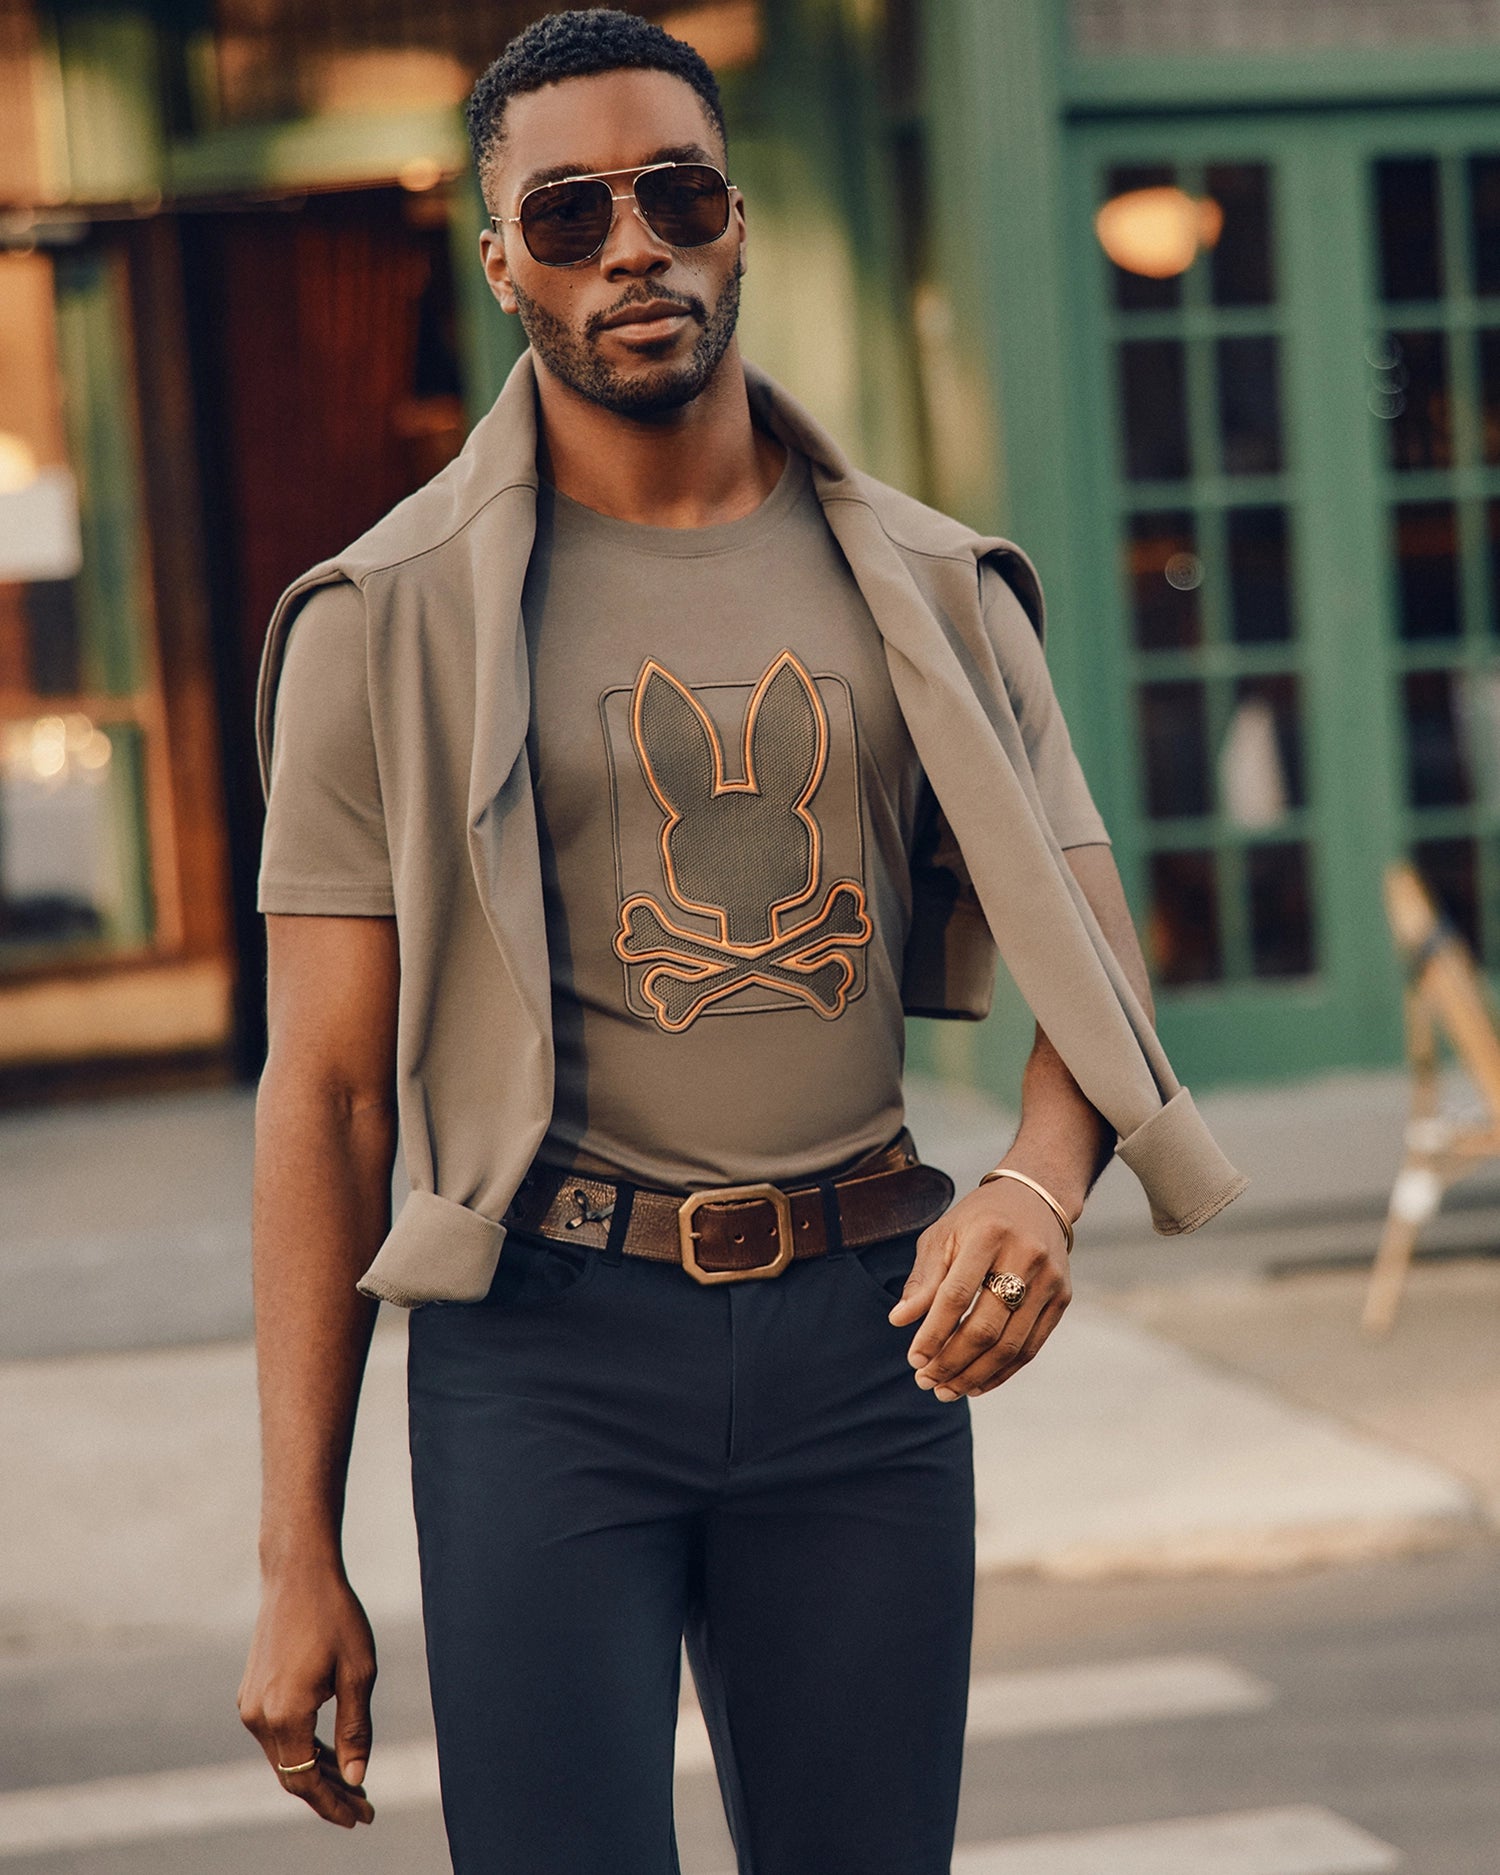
734	1233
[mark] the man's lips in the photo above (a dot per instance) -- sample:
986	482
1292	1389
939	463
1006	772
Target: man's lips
645	313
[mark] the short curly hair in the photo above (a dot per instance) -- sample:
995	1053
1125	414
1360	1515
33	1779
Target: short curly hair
578	44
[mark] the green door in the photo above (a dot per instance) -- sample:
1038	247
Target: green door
1290	453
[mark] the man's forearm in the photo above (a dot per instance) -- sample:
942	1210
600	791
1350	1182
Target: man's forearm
322	1206
1063	1141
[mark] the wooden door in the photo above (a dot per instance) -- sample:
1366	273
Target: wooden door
328	389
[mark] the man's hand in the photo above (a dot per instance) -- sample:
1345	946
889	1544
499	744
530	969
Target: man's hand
313	1643
969	1347
964	1349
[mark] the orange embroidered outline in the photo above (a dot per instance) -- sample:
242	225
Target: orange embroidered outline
747	786
685	969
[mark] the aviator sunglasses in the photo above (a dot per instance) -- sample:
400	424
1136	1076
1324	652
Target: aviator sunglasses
565	223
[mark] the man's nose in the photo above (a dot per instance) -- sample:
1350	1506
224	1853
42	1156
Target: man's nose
630	248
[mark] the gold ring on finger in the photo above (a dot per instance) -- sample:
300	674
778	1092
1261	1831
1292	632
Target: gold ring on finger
1009	1288
289	1770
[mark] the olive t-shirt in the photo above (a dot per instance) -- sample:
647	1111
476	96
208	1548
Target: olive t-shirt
727	803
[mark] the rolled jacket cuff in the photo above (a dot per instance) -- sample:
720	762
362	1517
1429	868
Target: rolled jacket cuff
437	1251
1186	1178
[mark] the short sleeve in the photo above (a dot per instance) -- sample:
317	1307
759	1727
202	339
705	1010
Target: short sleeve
325	849
1059	778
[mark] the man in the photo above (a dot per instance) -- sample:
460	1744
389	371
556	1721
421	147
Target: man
626	782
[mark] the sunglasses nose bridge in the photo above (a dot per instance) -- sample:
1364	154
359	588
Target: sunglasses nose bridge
612	231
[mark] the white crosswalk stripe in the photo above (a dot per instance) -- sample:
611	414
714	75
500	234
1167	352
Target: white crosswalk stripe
1068	1699
185	1803
1302	1840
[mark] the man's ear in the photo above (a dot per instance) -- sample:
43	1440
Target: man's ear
497	269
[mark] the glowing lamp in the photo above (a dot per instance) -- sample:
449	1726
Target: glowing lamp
18	463
1157	232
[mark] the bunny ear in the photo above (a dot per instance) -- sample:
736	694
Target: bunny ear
786	734
676	742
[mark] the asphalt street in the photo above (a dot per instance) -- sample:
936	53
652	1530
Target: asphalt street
1320	1723
1181	1668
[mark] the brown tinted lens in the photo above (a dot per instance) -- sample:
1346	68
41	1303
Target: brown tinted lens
687	204
566	221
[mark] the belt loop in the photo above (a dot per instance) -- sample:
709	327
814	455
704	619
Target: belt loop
619	1220
833	1224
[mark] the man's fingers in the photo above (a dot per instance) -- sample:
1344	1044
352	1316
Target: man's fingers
989	1333
1000	1357
932	1259
291	1742
320	1786
954	1294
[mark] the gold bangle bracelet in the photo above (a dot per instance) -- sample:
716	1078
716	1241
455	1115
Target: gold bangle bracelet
1021	1178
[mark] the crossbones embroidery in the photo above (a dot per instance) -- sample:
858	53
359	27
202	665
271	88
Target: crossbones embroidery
744	853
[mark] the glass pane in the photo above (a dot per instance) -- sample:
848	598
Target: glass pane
1437	773
1477	702
1240	272
1253	788
1153	391
1427	573
1174	748
93	328
1277	702
1421	432
1489	394
74	835
1249	406
1484	222
15	671
1492	531
72	871
1182	931
1165	574
1134	292
1260	586
1409	228
56	643
1281	942
1452	875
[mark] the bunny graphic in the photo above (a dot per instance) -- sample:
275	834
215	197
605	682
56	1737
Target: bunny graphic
744	853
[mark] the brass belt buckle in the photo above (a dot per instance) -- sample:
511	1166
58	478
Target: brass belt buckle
730	1194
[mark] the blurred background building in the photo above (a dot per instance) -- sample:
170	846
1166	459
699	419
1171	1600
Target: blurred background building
1197	299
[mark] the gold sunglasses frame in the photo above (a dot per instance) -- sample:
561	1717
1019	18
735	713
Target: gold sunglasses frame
604	175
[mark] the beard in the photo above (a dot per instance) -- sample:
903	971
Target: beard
573	357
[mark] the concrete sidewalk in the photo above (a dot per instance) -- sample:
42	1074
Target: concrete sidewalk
1143	1440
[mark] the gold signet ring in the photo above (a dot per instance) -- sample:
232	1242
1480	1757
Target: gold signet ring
1010	1289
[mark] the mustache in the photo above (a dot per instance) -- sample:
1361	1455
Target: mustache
648	296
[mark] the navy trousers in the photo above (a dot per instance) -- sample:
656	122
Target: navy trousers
608	1458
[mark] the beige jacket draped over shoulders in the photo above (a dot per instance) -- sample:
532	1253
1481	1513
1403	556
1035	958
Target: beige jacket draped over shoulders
441	579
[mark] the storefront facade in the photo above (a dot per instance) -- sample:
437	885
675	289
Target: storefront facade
242	316
1261	476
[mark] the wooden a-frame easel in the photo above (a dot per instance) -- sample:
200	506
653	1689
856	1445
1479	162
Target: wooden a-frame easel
1445	995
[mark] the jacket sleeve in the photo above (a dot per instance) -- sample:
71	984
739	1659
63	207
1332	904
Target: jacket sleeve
1060	780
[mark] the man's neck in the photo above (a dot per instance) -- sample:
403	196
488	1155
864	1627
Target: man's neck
698	466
